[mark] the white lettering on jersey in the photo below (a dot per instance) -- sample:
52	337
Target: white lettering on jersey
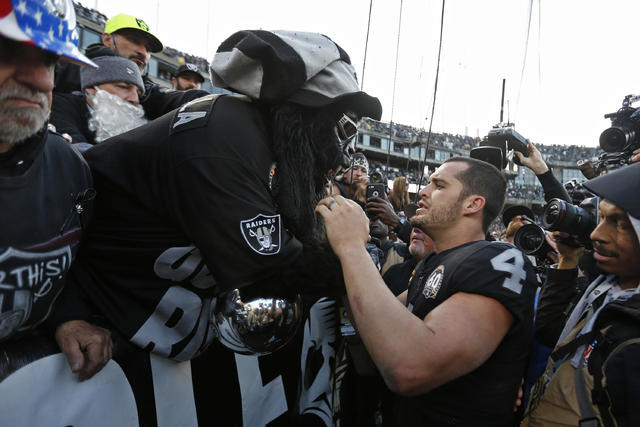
186	117
317	349
511	261
176	316
181	263
261	404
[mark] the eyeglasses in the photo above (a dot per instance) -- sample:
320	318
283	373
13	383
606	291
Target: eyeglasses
346	129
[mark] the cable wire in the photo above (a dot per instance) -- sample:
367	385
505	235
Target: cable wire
433	105
366	46
395	78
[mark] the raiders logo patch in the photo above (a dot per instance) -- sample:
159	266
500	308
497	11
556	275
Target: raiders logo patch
262	233
434	281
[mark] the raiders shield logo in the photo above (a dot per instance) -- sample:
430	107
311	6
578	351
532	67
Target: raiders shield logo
262	233
25	278
434	281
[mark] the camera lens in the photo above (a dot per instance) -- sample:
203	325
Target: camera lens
553	214
562	216
616	138
529	239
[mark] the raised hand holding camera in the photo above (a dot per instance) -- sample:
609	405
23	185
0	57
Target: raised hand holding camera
533	161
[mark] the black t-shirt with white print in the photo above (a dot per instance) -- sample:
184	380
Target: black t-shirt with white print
485	396
184	212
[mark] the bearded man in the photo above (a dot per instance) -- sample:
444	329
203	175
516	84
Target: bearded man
108	106
455	345
45	186
220	194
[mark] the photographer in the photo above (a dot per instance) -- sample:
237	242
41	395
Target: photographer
592	374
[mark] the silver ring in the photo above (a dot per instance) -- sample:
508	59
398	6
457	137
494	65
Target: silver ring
331	203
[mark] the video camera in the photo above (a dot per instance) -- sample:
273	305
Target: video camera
617	142
505	138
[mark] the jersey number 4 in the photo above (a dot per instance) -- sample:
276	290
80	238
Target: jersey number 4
511	261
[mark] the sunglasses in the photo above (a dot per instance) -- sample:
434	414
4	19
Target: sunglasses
346	129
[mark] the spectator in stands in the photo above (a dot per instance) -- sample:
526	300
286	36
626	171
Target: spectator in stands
108	106
354	179
131	38
399	194
46	186
187	77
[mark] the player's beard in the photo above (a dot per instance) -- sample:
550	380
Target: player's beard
306	148
437	217
18	124
111	115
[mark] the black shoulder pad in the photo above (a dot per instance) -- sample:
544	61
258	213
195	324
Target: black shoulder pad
193	114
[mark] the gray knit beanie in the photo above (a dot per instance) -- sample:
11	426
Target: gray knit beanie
111	69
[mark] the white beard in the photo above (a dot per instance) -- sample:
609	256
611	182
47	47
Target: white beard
111	115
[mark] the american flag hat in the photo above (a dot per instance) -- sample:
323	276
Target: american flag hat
307	69
47	24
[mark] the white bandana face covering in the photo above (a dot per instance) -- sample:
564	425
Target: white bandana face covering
111	115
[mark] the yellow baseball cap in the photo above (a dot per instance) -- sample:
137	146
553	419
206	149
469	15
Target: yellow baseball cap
122	21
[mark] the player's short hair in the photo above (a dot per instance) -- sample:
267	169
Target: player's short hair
485	180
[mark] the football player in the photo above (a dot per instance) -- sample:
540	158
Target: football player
455	345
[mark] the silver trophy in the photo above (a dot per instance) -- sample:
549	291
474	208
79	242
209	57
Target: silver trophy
256	325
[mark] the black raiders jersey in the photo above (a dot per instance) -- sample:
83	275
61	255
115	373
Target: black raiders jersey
486	395
184	212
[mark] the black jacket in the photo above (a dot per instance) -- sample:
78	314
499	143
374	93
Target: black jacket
552	188
70	114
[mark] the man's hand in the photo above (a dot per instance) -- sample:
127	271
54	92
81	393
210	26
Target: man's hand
518	403
379	208
534	161
66	136
346	224
568	256
86	346
636	155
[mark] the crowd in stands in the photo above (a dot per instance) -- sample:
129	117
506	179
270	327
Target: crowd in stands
203	64
521	191
564	153
514	190
552	153
90	14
